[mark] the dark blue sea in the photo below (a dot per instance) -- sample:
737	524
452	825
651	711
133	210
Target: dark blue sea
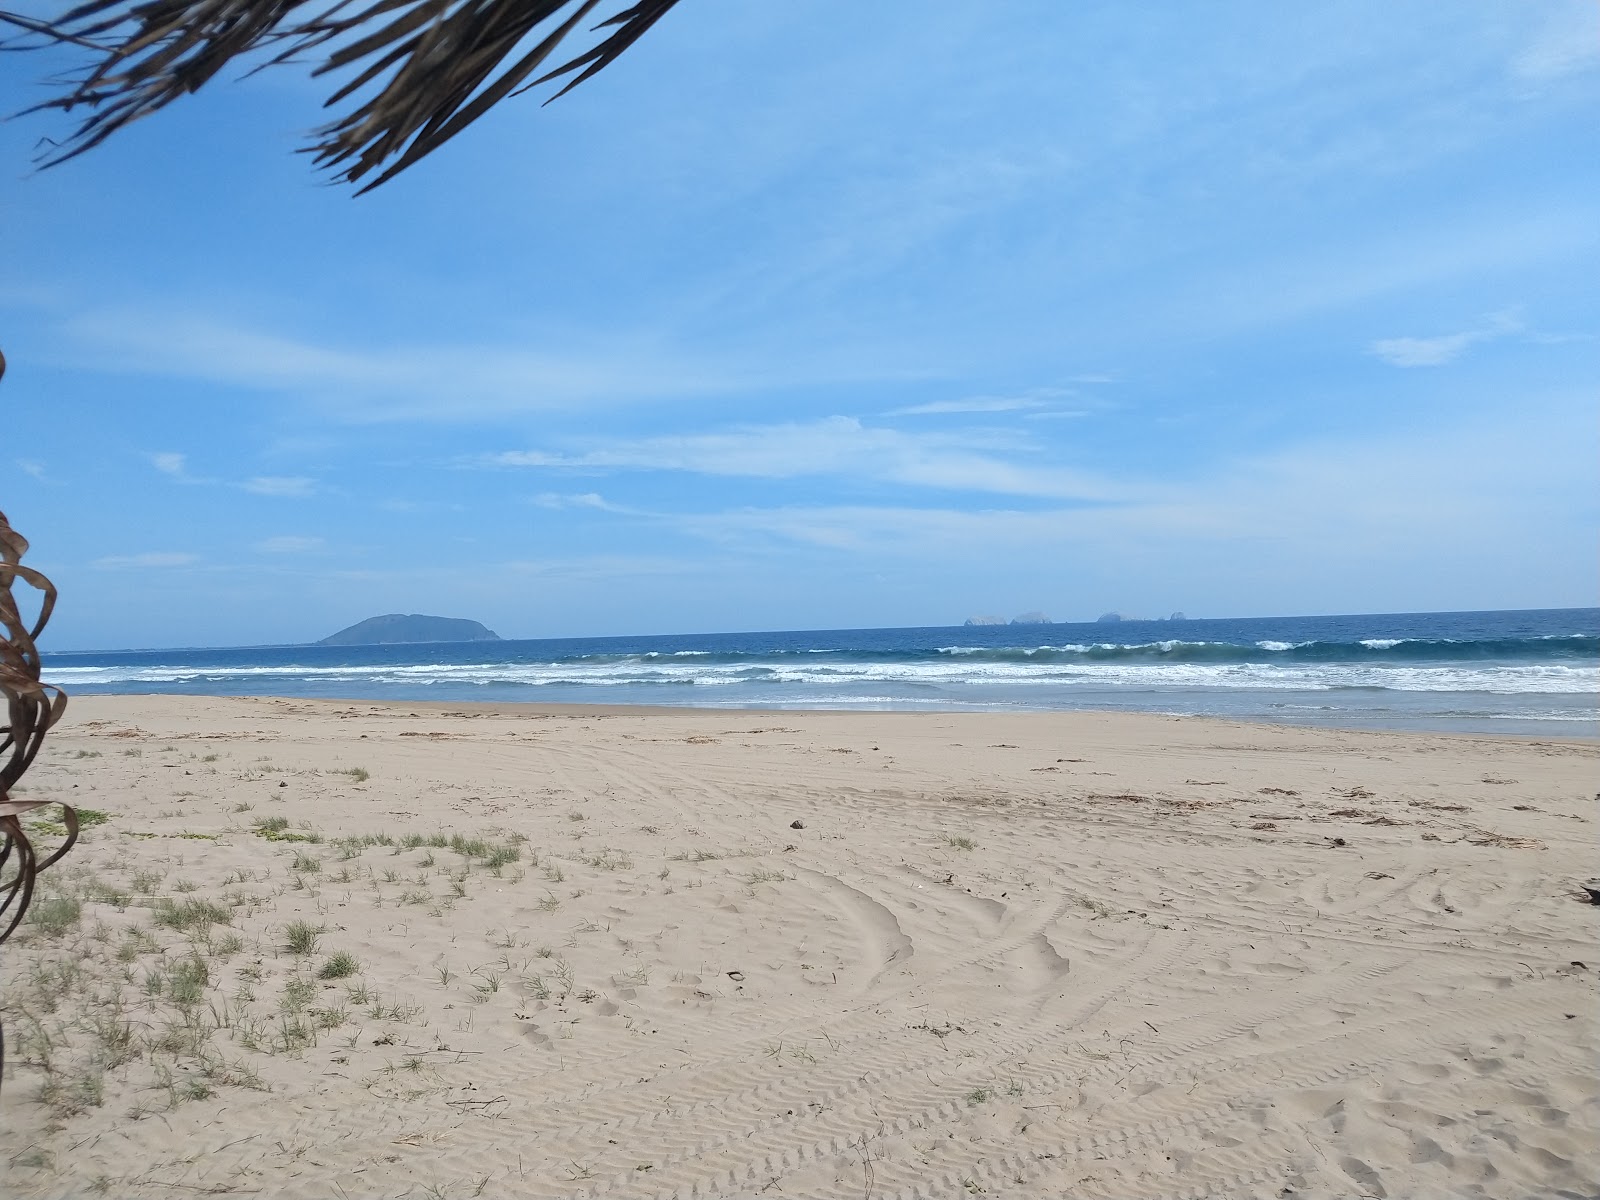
1524	672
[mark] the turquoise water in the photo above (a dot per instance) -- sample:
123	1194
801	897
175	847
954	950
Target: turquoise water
1527	672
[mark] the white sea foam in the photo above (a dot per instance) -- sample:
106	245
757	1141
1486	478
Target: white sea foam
945	673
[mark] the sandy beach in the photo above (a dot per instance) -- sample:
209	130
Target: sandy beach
322	949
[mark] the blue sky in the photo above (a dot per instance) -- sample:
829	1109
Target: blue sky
830	315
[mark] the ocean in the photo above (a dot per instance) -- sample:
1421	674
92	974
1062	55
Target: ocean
1523	672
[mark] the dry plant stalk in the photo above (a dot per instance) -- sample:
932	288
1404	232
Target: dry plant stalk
32	708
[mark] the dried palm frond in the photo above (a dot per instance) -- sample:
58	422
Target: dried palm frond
435	59
31	708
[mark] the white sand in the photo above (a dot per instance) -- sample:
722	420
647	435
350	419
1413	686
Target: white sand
1007	955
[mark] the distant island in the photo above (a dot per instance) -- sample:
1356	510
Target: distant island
1031	618
985	621
397	627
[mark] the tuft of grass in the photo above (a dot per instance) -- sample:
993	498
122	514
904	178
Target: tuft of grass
297	993
339	966
359	774
186	982
56	915
276	829
190	915
957	842
304	862
979	1096
696	856
301	937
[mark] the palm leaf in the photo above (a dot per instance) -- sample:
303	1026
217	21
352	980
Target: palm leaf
435	66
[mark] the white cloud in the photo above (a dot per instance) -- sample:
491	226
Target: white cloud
29	466
289	544
1437	351
154	559
833	446
280	485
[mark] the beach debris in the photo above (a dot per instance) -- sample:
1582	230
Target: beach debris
283	783
1379	875
1337	841
1488	837
736	976
1592	886
797	824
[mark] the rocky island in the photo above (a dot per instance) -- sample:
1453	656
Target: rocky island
397	628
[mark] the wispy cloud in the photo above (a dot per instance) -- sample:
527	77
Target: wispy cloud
290	544
591	500
1355	499
447	381
836	446
31	467
1443	348
155	559
280	485
1038	398
175	467
1567	42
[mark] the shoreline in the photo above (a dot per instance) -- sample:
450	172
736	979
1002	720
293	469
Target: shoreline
307	947
535	709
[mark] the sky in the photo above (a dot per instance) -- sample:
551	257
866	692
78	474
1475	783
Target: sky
833	315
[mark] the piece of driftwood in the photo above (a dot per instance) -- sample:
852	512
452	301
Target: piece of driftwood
32	707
